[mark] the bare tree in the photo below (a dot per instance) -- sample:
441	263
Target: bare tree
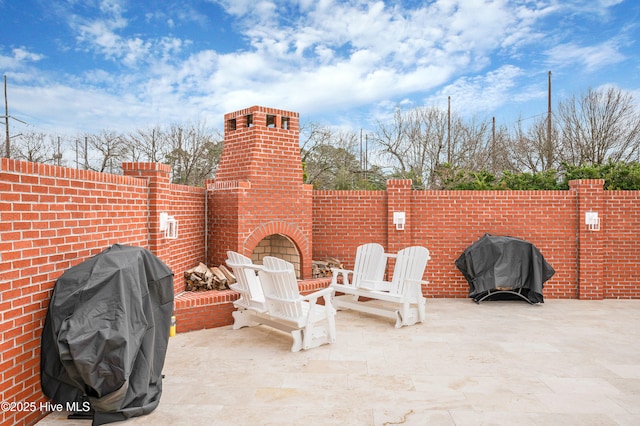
426	131
331	160
149	144
194	153
396	148
531	150
422	142
312	135
599	126
471	144
498	145
82	151
313	139
110	149
35	147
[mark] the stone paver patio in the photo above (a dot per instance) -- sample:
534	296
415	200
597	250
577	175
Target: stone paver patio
565	362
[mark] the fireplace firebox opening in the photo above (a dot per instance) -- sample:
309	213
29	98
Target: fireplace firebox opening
277	245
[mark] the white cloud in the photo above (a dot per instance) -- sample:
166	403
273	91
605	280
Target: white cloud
481	93
18	58
353	53
23	55
601	8
102	34
591	57
258	10
310	56
71	110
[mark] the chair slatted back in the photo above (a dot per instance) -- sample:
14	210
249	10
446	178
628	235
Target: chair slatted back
409	268
248	284
370	264
280	286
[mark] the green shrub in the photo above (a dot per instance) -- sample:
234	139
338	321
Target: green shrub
616	176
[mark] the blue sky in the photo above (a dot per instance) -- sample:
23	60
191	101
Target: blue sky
77	66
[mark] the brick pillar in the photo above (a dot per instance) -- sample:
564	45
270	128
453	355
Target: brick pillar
590	196
157	176
399	200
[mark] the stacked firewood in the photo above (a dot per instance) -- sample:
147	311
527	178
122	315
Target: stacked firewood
204	278
322	268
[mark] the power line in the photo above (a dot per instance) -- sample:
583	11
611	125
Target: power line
530	117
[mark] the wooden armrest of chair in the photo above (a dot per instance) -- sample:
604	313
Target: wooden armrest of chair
313	297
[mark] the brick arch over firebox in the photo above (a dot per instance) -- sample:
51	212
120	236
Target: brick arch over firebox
289	230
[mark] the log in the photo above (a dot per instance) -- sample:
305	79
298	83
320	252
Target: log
227	273
202	277
199	278
322	268
334	263
219	279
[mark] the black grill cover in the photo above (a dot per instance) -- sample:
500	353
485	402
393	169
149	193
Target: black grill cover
106	333
495	262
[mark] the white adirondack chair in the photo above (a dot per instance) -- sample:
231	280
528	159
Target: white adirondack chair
251	300
309	323
369	266
402	300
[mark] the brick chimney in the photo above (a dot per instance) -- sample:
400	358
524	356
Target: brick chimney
259	203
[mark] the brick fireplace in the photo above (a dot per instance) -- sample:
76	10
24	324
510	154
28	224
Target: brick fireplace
260	205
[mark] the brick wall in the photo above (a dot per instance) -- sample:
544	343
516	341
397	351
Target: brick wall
186	204
52	218
343	220
590	198
589	264
621	244
447	222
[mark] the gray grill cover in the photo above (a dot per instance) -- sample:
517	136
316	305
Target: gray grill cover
106	333
495	262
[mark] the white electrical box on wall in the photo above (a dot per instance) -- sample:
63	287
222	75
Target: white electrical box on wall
592	221
399	220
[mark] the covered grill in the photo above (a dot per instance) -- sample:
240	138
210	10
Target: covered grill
106	333
504	265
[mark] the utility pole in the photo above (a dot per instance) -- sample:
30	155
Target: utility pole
7	144
449	130
366	155
361	157
549	142
493	142
58	156
6	120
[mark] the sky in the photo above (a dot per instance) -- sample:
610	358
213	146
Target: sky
82	66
